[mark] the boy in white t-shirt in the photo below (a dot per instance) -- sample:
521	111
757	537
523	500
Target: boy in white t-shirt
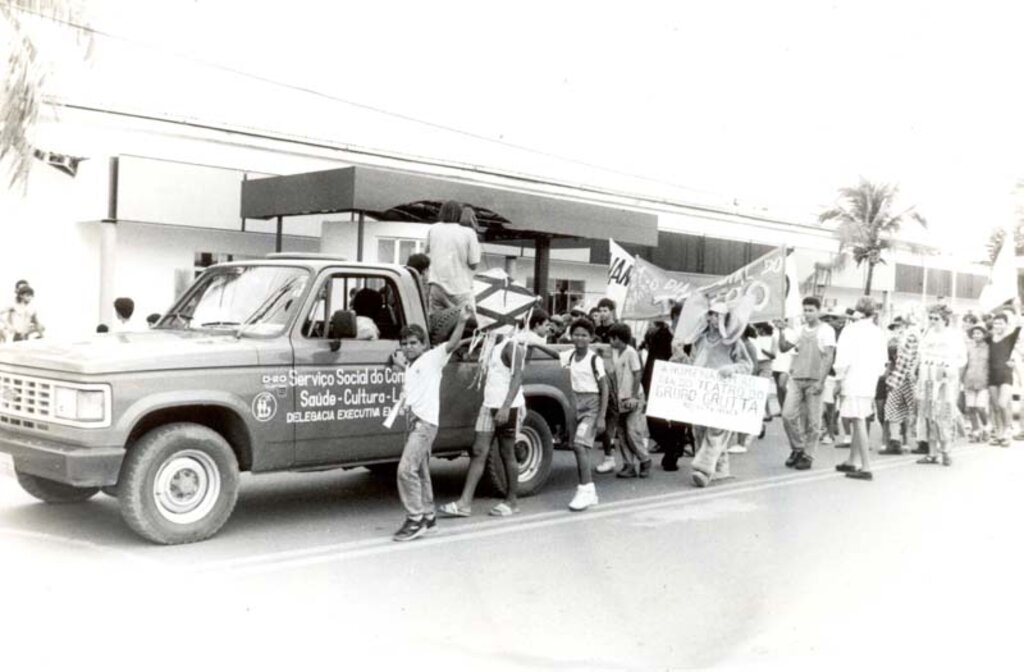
590	388
421	391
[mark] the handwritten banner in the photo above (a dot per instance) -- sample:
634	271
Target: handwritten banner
699	396
652	290
764	278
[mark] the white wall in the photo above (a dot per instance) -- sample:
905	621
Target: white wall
42	241
150	256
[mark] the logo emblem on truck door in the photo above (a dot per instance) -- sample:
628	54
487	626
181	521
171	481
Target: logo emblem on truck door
264	406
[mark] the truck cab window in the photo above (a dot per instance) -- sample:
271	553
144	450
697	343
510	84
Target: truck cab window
362	307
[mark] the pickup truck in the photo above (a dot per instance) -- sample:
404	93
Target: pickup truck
256	367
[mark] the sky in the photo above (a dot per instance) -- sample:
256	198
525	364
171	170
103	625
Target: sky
772	104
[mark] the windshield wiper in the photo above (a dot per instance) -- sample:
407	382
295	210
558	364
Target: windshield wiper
265	307
219	324
178	315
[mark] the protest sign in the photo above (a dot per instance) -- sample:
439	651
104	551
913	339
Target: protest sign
652	290
700	396
620	270
764	279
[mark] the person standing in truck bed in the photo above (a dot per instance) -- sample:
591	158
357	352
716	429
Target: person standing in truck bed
454	255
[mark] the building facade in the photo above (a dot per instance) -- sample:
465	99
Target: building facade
171	208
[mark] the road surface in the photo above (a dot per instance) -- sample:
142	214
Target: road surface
774	568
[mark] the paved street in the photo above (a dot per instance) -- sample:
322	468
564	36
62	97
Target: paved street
776	566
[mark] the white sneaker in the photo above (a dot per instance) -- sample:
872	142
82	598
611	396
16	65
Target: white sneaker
586	495
738	449
826	440
607	466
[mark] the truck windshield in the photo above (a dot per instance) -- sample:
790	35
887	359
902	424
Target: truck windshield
256	300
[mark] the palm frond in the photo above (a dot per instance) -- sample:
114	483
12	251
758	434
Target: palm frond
25	76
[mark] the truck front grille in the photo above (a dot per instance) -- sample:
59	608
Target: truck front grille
10	421
25	398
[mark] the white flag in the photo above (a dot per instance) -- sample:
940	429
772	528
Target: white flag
620	270
793	306
1002	283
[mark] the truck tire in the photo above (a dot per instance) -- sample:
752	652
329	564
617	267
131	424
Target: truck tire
53	492
178	484
534	449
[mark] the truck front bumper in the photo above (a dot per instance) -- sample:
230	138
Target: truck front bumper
62	462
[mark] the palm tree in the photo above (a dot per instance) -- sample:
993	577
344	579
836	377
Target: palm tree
866	222
22	85
996	237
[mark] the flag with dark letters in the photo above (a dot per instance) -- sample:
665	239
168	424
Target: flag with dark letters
500	301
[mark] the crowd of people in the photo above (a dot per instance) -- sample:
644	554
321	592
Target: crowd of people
834	374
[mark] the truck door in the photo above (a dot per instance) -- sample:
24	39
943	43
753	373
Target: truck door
461	397
342	385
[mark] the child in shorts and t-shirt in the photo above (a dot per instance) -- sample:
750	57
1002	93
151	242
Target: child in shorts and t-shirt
630	401
590	388
976	382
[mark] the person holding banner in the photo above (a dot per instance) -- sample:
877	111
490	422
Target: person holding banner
421	395
714	330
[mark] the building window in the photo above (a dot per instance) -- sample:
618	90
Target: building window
397	250
563	294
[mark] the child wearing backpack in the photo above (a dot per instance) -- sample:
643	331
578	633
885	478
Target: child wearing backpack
590	389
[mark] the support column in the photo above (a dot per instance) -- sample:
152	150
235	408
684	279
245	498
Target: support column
108	247
279	238
108	251
360	233
541	268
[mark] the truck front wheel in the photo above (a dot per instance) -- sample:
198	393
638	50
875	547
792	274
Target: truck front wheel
534	450
178	484
53	492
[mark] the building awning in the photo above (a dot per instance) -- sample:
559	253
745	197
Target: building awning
394	195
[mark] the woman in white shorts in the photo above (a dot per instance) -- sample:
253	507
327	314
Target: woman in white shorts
861	355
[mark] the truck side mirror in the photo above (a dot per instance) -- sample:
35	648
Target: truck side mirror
341	326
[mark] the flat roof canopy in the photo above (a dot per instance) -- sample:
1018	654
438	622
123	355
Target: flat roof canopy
395	195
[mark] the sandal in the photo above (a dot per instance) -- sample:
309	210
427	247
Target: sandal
452	510
928	459
503	509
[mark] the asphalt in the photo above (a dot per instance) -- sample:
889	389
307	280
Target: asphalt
773	568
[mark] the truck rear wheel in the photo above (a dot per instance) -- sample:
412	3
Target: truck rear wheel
53	492
178	484
534	450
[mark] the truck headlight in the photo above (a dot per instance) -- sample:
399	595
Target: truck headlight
80	405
